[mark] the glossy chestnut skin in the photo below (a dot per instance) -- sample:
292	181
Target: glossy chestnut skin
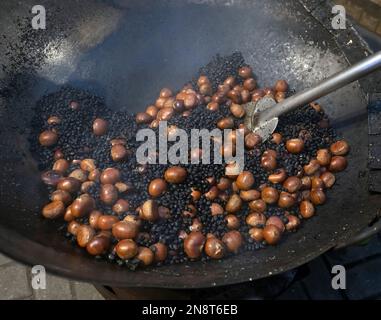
126	249
312	167
232	222
84	234
281	86
143	117
119	153
61	195
245	72
317	183
271	234
98	245
276	221
286	200
216	209
79	174
145	255
100	127
48	138
245	180
252	140
338	163
160	251
93	218
69	184
194	244
307	209
105	222
323	156
61	165
149	211
53	209
258	205
250	84
121	206
237	110
157	187
318	196
72	227
51	177
152	111
233	240
249	195
293	223
268	163
295	146
214	248
328	179
225	123
292	184
224	184
234	204
125	230
108	194
83	205
278	176
88	165
256	219
339	148
175	174
110	176
270	195
256	234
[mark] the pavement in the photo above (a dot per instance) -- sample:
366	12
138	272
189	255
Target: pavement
16	284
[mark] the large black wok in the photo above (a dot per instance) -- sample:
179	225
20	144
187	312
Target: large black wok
126	51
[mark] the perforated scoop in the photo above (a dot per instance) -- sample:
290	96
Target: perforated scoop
262	116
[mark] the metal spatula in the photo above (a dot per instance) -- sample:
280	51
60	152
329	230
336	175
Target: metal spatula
262	116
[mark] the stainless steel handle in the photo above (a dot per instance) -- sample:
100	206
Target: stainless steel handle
333	83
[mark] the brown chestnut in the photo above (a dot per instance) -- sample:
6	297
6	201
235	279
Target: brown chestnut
125	230
214	248
270	195
194	244
234	204
233	240
93	218
307	209
256	234
250	84
88	165
157	187
245	72
295	146
69	184
160	251
175	174
84	234
278	176
119	152
216	209
110	176
143	117
72	227
61	195
121	206
145	255
272	234
225	123
323	156
276	221
328	179
48	138
338	163
53	210
108	194
100	127
281	86
237	110
312	167
293	223
276	138
268	163
149	211
245	180
105	222
339	148
292	184
232	222
126	249
79	174
317	183
286	200
258	205
249	195
98	245
317	196
224	184
252	140
83	205
61	165
256	219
